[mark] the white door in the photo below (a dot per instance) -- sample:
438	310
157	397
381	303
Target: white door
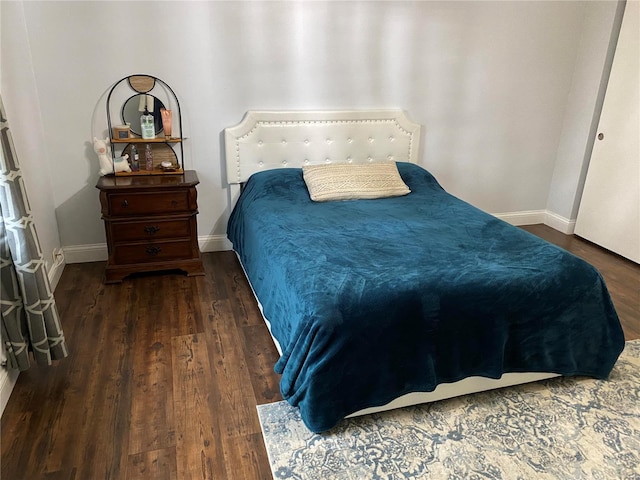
609	213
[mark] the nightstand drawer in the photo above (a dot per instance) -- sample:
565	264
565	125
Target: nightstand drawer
152	252
142	203
150	229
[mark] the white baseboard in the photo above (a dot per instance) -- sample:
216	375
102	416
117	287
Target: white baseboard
530	217
534	217
8	378
55	272
214	243
560	223
97	252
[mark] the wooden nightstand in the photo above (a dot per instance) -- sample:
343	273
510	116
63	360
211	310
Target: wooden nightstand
150	222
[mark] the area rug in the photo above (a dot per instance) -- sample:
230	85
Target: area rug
563	428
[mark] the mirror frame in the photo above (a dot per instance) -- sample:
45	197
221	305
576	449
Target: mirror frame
144	84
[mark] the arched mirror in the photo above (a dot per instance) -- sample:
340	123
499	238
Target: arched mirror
126	102
134	107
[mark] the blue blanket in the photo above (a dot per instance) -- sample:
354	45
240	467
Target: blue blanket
372	299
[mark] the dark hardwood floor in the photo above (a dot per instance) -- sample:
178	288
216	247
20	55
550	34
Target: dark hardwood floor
165	373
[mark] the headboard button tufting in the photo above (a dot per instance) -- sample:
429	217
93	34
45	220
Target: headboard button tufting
263	139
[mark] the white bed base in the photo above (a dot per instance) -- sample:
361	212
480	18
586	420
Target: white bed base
265	140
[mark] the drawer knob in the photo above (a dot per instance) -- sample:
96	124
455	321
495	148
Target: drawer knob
153	251
151	229
125	203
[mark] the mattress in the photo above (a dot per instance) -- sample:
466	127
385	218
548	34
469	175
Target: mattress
373	299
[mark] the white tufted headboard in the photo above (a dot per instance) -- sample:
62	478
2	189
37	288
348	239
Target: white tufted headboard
265	140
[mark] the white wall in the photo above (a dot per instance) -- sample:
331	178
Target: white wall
22	103
490	81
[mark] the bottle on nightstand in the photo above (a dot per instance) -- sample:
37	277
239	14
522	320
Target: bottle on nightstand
135	159
147	125
148	156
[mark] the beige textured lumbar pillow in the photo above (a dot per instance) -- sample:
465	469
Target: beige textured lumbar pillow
350	181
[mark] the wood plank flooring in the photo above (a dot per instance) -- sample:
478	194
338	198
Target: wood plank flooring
165	373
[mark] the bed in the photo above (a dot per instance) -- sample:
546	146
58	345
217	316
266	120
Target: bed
376	304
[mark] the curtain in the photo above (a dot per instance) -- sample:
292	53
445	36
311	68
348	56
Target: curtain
29	317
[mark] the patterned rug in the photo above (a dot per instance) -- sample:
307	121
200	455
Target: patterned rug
563	428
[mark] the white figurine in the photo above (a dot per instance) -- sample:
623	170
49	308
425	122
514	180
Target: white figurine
107	165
